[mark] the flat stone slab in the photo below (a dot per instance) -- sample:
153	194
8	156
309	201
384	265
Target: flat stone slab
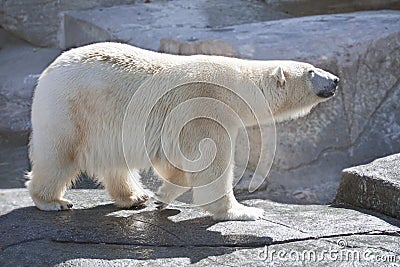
96	233
374	186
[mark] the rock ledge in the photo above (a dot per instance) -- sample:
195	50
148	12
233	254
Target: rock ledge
374	186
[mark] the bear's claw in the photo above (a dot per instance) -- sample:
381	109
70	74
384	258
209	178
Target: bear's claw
132	202
160	205
142	199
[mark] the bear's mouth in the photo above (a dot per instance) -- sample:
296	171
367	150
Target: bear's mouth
329	91
326	94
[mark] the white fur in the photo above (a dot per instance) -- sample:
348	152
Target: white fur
78	111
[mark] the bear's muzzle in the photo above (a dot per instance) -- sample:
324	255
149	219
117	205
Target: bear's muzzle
324	83
329	90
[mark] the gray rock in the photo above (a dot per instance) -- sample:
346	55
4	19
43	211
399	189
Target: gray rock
14	163
21	67
374	186
97	233
38	21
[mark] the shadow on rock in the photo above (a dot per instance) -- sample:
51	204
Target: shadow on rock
31	237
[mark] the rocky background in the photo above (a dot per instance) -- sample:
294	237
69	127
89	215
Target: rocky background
358	41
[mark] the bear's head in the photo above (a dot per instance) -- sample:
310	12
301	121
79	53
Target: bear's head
294	88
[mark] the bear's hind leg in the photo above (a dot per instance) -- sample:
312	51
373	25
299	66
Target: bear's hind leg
175	183
48	183
125	188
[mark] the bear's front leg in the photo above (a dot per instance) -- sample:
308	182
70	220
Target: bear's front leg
218	199
211	180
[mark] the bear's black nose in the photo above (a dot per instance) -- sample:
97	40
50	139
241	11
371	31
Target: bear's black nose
336	81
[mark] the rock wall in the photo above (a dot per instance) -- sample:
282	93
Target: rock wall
374	186
361	123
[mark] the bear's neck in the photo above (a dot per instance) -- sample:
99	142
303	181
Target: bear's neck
261	75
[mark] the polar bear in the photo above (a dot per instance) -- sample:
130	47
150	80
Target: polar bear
83	120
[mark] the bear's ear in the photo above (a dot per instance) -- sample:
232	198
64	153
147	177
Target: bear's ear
280	77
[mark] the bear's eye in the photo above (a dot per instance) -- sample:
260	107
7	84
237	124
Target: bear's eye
310	72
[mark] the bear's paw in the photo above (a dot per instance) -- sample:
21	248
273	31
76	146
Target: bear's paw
56	205
240	213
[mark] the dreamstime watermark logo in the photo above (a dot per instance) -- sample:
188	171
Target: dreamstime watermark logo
183	122
340	253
